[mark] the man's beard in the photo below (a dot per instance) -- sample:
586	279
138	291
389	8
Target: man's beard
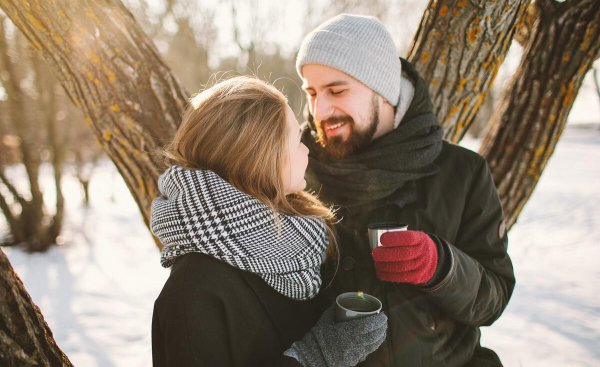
336	147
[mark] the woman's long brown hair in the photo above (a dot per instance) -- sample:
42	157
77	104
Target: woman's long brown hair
237	129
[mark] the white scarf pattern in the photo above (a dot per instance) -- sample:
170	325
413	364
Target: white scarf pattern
198	211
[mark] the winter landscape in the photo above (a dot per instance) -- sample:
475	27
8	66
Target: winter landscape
97	286
97	289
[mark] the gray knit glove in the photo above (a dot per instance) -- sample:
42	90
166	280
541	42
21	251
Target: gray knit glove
345	343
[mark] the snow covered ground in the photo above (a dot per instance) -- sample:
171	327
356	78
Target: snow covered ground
96	290
553	318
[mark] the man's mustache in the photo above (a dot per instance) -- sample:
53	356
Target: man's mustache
337	119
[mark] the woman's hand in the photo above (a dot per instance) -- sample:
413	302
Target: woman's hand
339	343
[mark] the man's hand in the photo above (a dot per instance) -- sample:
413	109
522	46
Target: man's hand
406	257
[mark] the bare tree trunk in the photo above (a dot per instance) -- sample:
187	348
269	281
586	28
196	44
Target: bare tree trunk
25	338
11	220
83	178
84	168
132	102
533	112
85	186
32	211
16	230
597	83
248	51
46	86
113	73
458	49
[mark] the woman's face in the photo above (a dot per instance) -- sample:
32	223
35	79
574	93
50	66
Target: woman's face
296	156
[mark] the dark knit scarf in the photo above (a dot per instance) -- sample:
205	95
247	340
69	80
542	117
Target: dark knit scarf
200	212
389	166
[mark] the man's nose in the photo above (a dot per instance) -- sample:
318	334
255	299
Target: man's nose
322	108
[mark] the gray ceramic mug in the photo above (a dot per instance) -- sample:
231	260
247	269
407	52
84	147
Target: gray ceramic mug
354	305
375	231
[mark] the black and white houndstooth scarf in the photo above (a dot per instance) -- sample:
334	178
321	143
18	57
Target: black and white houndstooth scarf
198	211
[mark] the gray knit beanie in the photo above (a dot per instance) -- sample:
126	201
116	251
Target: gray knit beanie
359	46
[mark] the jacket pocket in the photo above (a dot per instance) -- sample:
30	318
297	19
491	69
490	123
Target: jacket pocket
415	314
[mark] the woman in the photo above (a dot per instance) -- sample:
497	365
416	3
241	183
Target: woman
245	242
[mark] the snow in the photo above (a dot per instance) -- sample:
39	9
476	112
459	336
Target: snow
97	290
553	318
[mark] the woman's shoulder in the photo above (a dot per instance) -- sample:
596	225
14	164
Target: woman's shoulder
197	272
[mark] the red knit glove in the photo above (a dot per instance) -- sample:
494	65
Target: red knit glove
405	257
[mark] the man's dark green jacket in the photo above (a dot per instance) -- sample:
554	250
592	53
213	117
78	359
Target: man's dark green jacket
459	207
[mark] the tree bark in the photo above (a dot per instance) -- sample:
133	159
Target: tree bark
527	24
529	121
458	50
25	338
131	101
111	70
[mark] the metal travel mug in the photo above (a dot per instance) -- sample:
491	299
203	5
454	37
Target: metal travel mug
354	305
375	231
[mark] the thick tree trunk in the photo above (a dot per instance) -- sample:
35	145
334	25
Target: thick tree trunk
111	71
458	49
25	338
533	112
133	104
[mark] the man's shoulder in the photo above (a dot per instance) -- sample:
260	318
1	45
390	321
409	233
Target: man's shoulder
459	156
460	152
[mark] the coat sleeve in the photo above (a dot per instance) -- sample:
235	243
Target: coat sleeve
192	327
480	279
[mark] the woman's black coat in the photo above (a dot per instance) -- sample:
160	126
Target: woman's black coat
212	314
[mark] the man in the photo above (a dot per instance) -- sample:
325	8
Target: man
376	152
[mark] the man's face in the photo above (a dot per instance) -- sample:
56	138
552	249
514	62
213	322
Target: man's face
346	112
